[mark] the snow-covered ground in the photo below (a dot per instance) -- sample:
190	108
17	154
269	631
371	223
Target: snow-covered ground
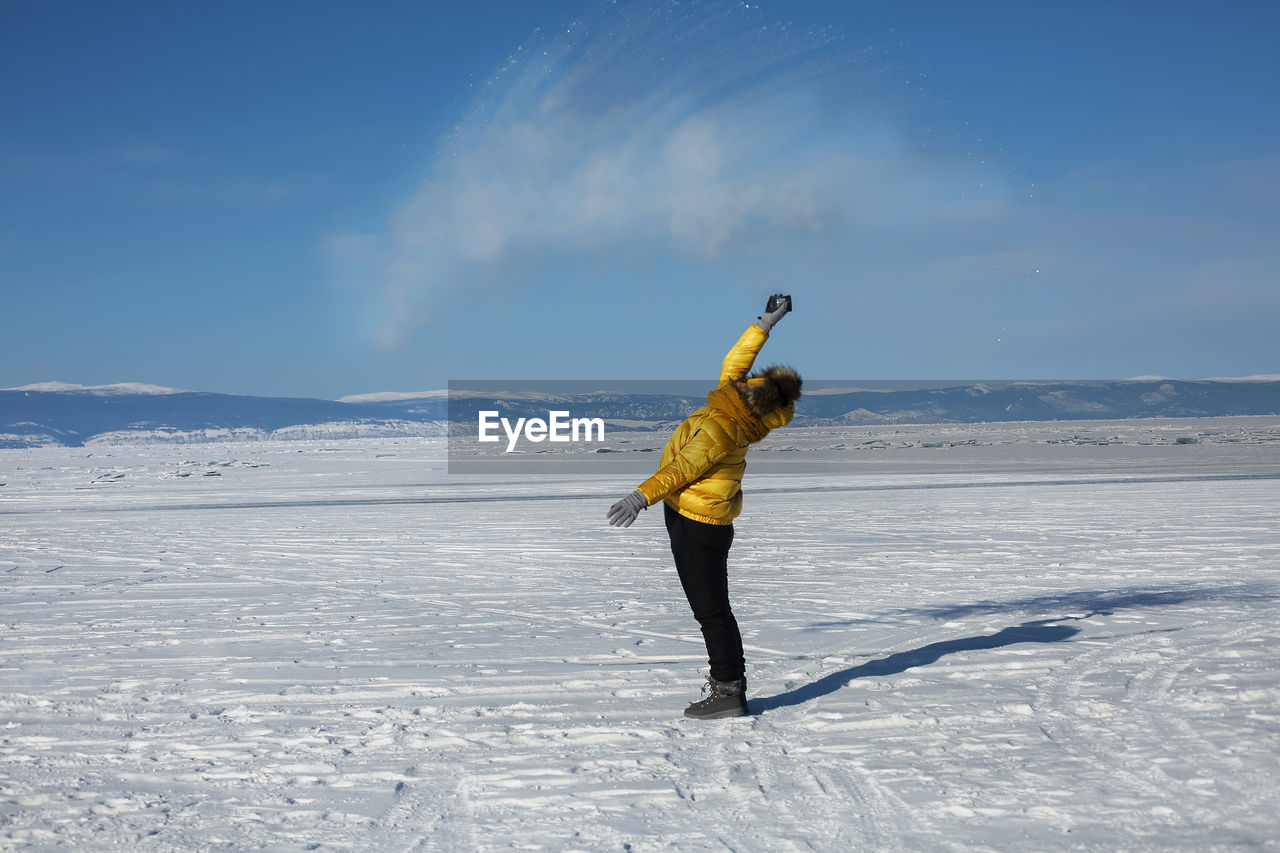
1008	637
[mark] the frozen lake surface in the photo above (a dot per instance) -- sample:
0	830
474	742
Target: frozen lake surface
991	637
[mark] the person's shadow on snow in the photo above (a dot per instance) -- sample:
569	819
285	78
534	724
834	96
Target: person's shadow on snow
1028	632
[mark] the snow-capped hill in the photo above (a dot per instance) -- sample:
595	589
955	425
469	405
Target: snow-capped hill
116	389
76	415
1258	377
392	396
56	413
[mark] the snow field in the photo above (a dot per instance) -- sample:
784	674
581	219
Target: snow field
331	645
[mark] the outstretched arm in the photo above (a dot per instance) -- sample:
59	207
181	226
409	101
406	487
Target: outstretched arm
698	456
693	460
737	363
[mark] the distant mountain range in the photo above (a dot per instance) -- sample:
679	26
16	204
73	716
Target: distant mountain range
60	414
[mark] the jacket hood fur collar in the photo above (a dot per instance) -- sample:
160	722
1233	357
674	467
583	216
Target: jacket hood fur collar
749	401
769	389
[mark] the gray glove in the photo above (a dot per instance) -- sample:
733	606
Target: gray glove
768	319
625	511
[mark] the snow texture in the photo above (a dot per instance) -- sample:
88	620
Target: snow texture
959	638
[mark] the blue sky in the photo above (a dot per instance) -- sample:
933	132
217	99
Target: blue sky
323	199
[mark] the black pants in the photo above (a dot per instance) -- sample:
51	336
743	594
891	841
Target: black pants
702	560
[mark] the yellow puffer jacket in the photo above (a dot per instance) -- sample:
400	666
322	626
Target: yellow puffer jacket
700	472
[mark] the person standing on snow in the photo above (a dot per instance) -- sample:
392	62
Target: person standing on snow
699	480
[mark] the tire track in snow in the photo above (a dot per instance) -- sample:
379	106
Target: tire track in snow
857	812
1238	794
432	814
833	808
1064	721
879	831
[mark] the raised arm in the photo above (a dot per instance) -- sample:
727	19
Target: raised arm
737	363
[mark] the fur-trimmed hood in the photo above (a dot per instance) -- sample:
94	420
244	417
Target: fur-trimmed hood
767	390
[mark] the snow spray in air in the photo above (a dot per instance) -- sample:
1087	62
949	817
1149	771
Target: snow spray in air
687	128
